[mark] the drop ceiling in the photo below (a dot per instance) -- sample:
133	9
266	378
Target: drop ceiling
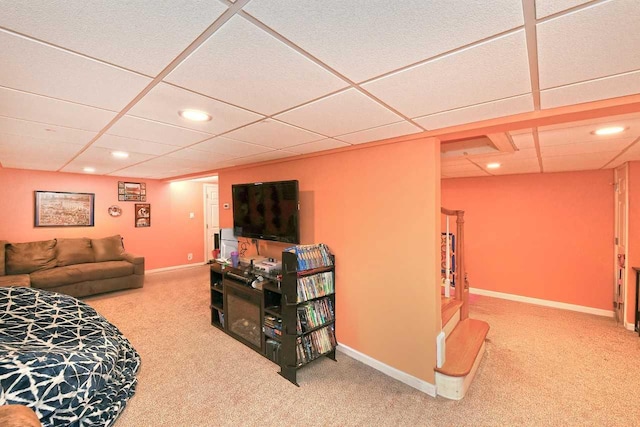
284	78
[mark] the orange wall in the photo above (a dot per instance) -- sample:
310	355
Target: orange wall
166	243
378	210
547	236
633	250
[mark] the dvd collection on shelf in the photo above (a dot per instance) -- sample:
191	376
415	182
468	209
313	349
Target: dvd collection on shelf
318	285
314	314
315	344
311	256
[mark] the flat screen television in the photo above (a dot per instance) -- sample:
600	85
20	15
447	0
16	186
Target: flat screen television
266	210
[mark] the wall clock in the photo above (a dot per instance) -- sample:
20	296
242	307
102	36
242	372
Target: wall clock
115	210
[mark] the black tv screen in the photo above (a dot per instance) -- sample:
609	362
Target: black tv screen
266	210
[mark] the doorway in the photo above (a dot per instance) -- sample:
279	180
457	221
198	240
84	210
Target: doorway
212	218
620	242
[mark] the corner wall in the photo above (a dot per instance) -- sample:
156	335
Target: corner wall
633	251
166	243
378	210
546	236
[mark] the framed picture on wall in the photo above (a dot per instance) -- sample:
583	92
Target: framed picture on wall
60	209
143	215
132	191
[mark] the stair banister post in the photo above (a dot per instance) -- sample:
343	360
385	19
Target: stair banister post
462	291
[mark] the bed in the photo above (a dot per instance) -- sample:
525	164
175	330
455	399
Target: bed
62	359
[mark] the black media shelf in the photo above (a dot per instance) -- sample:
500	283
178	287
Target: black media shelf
231	294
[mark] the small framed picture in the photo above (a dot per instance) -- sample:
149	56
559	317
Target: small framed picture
143	215
132	191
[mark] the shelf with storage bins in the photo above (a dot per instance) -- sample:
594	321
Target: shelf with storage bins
307	307
217	295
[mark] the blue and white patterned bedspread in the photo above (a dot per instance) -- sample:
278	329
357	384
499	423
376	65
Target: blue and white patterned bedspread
62	359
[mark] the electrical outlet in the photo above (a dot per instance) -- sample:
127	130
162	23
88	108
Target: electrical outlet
189	256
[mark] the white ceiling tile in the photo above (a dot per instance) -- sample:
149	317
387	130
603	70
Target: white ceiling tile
160	165
102	161
344	112
628	156
549	7
366	39
585	147
199	158
577	162
265	157
133	145
453	161
27	152
511	167
136	128
502	157
484	111
575	133
164	102
274	134
627	120
45	132
229	147
33	67
593	42
245	66
25	106
314	147
141	35
592	90
380	132
490	71
523	140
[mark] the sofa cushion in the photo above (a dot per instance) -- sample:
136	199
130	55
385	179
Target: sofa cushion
70	274
3	243
108	248
15	280
25	258
74	251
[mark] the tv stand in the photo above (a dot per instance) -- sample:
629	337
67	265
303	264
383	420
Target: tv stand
290	321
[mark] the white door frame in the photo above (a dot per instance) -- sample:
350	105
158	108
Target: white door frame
205	192
621	243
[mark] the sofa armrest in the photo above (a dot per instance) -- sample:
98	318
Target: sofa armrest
137	261
18	416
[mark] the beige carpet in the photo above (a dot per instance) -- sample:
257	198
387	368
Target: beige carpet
542	367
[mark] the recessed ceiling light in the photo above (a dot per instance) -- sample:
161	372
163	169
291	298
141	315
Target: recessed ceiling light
120	154
609	130
493	165
194	115
89	169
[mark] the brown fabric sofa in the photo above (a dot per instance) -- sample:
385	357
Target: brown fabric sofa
76	267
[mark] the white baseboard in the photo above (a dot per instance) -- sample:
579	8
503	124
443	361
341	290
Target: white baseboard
403	377
630	326
175	267
543	302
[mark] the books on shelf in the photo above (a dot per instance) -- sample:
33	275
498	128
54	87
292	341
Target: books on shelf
313	314
312	256
317	285
317	343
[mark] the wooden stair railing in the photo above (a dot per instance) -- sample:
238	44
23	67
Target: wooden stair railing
462	285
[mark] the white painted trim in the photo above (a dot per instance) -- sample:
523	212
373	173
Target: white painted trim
399	375
630	326
175	267
543	302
